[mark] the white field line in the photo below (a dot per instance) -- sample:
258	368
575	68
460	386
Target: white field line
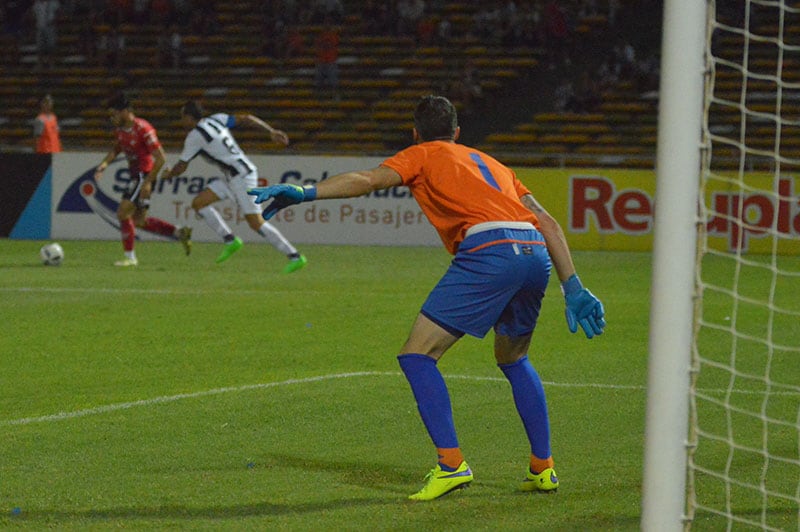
172	398
115	291
237	389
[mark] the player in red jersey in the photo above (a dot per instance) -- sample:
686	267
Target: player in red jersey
504	245
138	140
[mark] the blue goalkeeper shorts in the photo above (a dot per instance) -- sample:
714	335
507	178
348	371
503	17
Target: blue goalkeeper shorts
497	279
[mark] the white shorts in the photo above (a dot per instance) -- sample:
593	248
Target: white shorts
235	188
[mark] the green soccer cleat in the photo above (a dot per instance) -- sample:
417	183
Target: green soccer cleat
295	264
230	248
546	481
185	238
439	482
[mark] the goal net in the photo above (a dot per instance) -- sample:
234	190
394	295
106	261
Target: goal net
744	430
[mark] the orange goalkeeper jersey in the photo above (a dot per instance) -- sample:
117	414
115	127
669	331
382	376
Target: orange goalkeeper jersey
458	187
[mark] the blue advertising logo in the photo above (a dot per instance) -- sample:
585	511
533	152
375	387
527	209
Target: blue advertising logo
83	195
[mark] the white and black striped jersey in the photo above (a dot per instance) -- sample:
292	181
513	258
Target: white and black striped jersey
212	139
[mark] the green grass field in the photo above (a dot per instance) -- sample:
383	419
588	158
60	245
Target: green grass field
184	394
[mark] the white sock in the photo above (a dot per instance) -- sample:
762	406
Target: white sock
130	255
215	221
274	237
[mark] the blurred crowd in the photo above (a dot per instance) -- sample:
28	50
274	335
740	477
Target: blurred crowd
550	25
496	22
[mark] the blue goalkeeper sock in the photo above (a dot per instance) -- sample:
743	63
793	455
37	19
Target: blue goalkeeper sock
433	400
531	405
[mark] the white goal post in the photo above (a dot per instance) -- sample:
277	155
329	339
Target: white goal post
722	438
671	308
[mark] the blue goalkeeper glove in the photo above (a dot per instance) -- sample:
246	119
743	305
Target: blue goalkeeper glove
583	308
282	196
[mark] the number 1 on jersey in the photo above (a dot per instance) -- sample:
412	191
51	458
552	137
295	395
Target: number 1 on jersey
485	172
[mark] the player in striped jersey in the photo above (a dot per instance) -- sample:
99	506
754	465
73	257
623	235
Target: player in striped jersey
210	137
138	140
504	245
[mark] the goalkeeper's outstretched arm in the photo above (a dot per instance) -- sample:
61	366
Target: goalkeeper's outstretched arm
352	184
346	185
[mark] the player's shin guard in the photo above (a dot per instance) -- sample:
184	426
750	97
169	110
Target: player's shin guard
433	402
531	405
128	234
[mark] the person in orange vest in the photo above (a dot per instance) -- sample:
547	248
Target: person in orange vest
45	128
327	48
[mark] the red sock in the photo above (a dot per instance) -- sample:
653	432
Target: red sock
157	225
451	458
128	231
538	464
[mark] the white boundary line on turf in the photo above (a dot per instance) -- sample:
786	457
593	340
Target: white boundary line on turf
154	291
234	389
172	398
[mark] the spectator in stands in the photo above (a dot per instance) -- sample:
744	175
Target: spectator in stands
648	73
444	31
162	56
613	11
484	23
273	35
204	18
118	44
327	55
530	23
510	25
162	11
426	29
141	12
68	7
45	13
607	74
563	95
293	43
625	56
122	11
45	127
13	16
558	34
111	47
327	8
587	97
376	17
287	10
182	10
175	48
467	88
88	36
409	14
587	8
556	23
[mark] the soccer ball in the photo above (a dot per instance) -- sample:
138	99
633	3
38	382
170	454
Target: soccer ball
51	254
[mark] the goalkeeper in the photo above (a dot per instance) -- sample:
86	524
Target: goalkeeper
504	244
